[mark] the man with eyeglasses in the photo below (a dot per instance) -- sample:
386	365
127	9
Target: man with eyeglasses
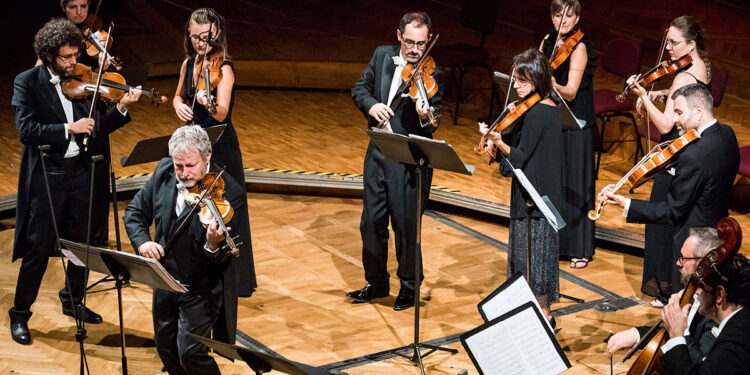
699	334
46	117
390	190
723	296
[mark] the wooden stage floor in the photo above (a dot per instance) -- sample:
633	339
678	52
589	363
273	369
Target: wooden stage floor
307	251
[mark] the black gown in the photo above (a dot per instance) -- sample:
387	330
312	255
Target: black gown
535	143
226	153
577	237
661	277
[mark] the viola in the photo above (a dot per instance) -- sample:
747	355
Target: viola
94	46
648	362
423	85
82	83
207	75
511	113
208	194
565	49
656	161
659	72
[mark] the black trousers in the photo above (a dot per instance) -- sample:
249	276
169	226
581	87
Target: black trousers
69	188
177	314
390	193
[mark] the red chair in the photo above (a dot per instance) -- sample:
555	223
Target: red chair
479	15
744	169
621	57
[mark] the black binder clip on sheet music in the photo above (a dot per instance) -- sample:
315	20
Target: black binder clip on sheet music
517	342
259	362
154	149
567	118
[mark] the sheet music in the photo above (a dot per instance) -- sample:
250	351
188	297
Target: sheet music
537	199
514	294
516	345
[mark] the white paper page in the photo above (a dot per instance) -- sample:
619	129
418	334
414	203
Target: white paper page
515	295
517	345
536	198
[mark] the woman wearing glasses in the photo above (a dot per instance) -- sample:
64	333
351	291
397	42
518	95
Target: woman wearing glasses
206	34
684	37
534	146
574	80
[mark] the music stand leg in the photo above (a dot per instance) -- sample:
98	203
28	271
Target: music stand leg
417	356
118	285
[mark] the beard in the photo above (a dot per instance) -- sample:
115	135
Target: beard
62	71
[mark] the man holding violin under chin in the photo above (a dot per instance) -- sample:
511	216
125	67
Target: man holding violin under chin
390	190
703	173
193	254
46	117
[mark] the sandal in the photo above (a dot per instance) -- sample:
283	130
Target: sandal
577	264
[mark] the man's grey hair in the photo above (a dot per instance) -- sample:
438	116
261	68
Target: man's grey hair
187	138
708	239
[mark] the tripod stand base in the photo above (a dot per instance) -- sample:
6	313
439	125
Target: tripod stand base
574	299
417	354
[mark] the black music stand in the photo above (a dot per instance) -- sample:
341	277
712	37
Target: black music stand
123	267
154	149
423	153
259	362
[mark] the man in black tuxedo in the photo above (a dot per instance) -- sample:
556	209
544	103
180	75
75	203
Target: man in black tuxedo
699	335
194	255
390	189
703	172
46	117
723	297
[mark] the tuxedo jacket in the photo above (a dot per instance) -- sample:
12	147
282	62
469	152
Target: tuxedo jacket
730	354
375	85
155	203
40	120
701	188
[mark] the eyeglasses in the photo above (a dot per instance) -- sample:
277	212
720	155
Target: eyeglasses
198	38
674	44
70	57
682	259
410	43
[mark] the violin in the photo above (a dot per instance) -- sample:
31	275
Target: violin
113	86
648	362
423	84
207	75
208	194
511	113
561	53
656	161
94	46
660	71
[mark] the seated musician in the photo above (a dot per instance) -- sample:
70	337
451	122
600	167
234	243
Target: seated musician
193	254
699	335
722	298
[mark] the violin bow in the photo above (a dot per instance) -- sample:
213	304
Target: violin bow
559	34
203	62
99	76
651	88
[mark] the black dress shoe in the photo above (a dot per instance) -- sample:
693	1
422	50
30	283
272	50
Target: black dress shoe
367	294
404	300
88	315
19	330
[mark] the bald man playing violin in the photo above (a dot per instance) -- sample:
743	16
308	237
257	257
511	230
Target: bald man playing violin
702	175
193	254
46	118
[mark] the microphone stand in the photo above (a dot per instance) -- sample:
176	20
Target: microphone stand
80	329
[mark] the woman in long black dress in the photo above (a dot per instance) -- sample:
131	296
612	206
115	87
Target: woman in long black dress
190	106
574	80
534	146
685	36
